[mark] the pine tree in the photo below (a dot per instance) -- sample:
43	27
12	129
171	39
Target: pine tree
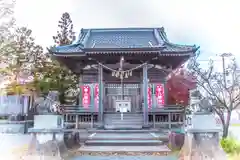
65	35
62	79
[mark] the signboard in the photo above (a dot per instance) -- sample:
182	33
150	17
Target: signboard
86	96
160	95
149	97
96	96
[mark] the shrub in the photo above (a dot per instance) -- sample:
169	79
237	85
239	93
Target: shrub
230	145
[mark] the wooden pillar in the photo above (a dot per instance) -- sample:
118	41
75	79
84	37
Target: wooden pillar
80	82
165	91
100	82
92	87
169	120
145	94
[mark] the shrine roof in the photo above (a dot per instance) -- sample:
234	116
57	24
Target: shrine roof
124	40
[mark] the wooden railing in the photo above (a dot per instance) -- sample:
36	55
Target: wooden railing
166	117
169	116
76	116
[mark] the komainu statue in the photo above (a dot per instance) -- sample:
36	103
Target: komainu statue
48	105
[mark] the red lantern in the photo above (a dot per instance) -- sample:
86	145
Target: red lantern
86	96
149	97
160	95
96	96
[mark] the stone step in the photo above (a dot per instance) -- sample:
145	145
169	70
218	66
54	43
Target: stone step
122	126
123	131
122	136
124	122
126	149
128	135
125	113
116	142
124	117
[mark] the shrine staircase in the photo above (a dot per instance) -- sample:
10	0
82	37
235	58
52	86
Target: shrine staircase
126	142
123	121
125	135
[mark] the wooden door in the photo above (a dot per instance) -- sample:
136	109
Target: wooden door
117	91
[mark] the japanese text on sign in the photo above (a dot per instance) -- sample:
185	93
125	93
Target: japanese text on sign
96	95
160	95
85	96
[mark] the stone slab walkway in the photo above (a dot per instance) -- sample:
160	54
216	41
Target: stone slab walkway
12	142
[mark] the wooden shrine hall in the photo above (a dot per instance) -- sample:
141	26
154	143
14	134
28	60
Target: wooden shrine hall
122	77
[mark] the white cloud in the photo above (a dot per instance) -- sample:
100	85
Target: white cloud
214	25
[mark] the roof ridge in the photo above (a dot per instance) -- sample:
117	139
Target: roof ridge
121	29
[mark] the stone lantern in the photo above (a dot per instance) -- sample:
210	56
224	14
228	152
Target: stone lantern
202	138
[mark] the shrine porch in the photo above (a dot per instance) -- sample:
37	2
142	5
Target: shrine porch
167	117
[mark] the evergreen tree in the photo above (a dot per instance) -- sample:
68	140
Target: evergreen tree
18	50
65	34
24	61
60	77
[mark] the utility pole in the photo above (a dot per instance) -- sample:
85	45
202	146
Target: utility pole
224	55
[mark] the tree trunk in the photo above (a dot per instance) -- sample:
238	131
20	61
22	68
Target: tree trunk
226	125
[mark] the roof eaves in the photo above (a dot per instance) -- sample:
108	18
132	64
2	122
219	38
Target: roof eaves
86	37
192	48
67	54
163	34
76	47
157	36
81	35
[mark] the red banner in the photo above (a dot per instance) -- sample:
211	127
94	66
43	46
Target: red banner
86	96
160	95
96	96
149	97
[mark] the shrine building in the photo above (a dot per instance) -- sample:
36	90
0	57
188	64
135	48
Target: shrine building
122	78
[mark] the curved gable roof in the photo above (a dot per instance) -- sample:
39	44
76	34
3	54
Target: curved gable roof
124	39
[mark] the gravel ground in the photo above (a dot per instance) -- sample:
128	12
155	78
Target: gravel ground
15	146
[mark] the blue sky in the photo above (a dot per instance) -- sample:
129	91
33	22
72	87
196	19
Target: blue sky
213	25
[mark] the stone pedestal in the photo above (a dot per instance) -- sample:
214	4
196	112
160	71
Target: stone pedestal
48	136
48	121
48	127
202	138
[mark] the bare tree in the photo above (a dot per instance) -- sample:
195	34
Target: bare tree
220	88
